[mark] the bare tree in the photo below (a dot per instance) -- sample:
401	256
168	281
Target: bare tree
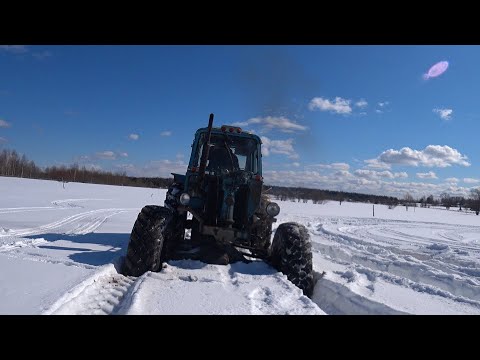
447	200
408	198
475	193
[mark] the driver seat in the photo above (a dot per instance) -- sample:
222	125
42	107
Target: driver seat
219	158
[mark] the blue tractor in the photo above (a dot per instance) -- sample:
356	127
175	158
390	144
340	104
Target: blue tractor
220	200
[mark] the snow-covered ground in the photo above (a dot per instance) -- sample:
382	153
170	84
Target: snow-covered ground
60	249
416	261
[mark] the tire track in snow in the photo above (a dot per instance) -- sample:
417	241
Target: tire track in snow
17	253
403	272
365	250
86	222
264	301
69	203
19	210
104	293
337	299
447	264
14	242
409	260
63	204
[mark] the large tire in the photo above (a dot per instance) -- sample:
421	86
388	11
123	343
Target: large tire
291	253
149	241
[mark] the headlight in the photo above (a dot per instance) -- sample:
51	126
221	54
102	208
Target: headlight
184	199
273	209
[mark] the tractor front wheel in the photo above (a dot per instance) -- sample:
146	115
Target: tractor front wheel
149	240
291	254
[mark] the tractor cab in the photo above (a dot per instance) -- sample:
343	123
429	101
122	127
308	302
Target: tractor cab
226	186
230	150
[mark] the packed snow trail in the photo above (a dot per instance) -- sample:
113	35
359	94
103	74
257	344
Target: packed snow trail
187	287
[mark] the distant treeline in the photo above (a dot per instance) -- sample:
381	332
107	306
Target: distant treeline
12	164
318	196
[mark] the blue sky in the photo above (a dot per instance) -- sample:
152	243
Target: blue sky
353	118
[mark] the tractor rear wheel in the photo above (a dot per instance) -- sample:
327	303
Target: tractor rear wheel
149	241
291	253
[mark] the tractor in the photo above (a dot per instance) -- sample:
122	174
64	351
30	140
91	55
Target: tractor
221	200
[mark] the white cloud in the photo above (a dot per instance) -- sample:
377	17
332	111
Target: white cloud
339	166
22	49
374	175
361	103
471	181
100	155
273	123
296	164
382	106
340	174
295	178
376	164
166	133
338	106
427	175
452	180
156	168
3	140
333	166
134	137
431	156
344	181
42	55
445	114
284	147
106	155
4	124
14	49
179	156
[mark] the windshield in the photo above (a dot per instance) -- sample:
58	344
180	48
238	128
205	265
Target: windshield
230	153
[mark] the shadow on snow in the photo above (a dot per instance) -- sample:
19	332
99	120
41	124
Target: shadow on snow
117	243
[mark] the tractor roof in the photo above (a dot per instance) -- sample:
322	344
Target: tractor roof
235	132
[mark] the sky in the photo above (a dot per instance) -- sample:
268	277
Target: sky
353	118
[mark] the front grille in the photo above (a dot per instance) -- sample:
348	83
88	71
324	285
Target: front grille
240	212
214	200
